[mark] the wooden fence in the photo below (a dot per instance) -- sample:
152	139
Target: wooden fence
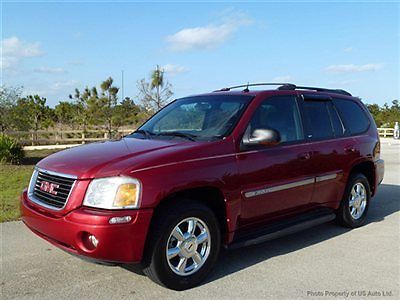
58	137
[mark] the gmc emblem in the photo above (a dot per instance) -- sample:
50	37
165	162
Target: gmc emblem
48	187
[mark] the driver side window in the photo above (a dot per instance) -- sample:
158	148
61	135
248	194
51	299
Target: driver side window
281	114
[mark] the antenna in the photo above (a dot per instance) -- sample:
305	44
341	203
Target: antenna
122	85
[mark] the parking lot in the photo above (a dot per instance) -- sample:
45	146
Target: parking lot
323	262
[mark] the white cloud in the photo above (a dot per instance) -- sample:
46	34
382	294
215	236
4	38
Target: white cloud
8	62
351	68
174	69
348	49
14	50
13	46
60	85
56	88
209	36
49	70
285	78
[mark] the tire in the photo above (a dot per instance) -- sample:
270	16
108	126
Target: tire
163	236
355	215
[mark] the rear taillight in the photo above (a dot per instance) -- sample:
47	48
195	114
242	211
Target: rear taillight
377	150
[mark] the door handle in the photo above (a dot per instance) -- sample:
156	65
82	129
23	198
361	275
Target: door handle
305	155
349	149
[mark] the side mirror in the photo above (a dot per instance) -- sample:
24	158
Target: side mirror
267	137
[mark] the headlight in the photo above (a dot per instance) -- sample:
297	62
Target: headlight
113	193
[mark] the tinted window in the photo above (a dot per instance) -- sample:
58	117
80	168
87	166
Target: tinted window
352	115
281	114
319	119
337	124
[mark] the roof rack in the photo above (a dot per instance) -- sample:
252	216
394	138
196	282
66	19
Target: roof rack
246	86
285	86
317	89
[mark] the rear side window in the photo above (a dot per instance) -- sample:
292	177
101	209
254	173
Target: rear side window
319	119
353	116
337	124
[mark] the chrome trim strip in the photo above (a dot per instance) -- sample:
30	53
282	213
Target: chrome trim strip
32	184
326	177
279	187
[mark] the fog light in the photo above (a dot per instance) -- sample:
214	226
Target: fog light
93	240
120	220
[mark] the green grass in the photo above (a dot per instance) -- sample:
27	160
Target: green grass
13	179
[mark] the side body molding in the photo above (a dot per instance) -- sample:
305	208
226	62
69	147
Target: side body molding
291	185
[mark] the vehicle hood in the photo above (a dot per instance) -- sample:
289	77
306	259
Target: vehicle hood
111	158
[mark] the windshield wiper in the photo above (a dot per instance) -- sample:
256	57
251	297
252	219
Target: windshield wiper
188	136
144	132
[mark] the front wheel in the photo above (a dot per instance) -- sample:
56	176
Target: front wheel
355	203
184	245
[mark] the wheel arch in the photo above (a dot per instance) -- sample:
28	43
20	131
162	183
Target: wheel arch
211	196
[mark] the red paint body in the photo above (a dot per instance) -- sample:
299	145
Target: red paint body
165	167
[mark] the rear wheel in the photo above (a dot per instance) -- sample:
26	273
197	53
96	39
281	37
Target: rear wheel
355	203
184	245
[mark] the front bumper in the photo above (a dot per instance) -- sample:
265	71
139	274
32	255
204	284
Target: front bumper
119	243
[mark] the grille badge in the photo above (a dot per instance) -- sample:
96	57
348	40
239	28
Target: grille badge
49	187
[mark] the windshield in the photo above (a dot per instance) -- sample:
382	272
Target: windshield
196	118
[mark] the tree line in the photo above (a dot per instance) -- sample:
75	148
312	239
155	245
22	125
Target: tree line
90	108
385	115
100	107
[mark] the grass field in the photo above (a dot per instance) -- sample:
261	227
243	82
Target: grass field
13	179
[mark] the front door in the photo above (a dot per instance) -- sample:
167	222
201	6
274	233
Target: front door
276	179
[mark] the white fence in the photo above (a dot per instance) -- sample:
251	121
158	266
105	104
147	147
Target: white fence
386	132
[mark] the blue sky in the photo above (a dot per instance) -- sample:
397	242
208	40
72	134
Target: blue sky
51	48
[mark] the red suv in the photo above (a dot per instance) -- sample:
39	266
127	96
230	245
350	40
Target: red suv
227	168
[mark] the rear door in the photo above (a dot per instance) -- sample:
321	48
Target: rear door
276	179
332	149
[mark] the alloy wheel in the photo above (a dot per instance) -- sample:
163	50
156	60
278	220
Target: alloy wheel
357	200
188	246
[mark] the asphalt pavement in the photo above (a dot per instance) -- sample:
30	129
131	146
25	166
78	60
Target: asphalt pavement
320	263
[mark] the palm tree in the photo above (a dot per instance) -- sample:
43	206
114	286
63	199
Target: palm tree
157	82
155	93
111	93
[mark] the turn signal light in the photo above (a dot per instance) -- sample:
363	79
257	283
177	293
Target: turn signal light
120	220
126	195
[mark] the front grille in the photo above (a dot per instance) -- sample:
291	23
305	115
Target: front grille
52	190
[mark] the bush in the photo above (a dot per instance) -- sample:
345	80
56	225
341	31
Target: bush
10	150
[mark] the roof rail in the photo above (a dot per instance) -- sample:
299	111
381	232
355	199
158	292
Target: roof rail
285	86
246	86
317	89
